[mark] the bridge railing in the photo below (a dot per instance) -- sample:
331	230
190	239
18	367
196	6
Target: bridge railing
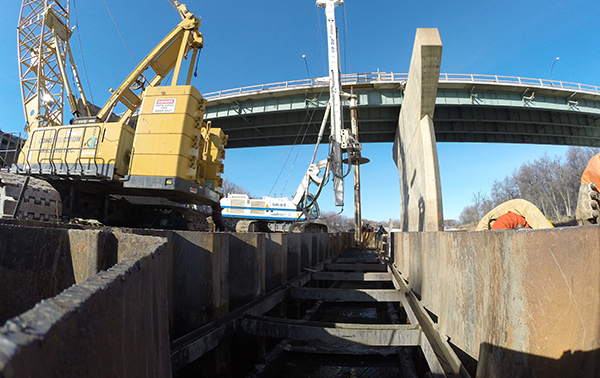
523	81
391	77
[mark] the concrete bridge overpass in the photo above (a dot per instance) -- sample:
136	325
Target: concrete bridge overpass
469	108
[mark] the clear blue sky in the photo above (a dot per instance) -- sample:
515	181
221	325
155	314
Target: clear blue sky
255	42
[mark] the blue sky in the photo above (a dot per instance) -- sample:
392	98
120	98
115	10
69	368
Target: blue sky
260	41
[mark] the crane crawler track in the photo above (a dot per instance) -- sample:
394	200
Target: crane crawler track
32	198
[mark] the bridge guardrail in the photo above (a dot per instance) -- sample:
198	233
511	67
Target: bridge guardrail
391	77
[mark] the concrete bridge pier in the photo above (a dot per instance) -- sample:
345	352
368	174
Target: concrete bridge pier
514	303
415	151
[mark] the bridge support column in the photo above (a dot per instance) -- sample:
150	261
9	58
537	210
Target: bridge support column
415	151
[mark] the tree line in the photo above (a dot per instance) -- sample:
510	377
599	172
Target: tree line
337	222
552	184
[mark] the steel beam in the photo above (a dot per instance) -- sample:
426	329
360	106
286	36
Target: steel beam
347	276
357	267
347	295
195	344
346	349
334	333
363	259
436	349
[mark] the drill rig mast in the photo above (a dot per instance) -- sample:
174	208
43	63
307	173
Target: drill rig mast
303	206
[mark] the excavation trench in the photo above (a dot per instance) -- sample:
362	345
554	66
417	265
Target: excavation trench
344	317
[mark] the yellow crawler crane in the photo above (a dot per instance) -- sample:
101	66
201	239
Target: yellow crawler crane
146	167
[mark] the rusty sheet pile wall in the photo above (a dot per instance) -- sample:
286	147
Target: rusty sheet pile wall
214	273
39	263
115	323
108	303
522	303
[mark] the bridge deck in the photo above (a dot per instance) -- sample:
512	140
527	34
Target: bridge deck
469	108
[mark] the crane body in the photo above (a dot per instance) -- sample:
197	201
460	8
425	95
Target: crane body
154	165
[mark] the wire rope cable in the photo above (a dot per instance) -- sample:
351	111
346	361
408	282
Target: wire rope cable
197	61
310	116
347	63
172	6
118	30
87	80
319	62
319	42
288	158
298	149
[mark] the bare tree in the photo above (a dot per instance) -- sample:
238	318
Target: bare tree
336	222
451	223
578	158
473	213
469	215
483	203
504	190
552	184
230	187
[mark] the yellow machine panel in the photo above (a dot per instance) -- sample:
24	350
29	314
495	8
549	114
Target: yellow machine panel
94	150
161	166
218	141
115	146
213	170
168	138
188	100
164	145
171	144
214	158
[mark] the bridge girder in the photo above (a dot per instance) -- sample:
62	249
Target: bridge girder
482	113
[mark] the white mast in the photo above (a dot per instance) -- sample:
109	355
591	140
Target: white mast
335	93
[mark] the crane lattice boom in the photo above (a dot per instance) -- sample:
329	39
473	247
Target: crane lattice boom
42	86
